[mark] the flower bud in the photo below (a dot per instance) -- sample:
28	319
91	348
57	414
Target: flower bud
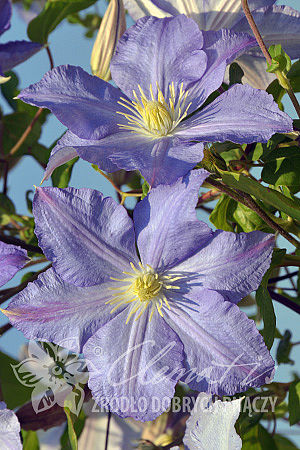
113	25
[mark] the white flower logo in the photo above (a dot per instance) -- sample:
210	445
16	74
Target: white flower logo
55	375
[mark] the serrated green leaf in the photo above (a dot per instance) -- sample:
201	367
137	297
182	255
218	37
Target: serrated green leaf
53	13
294	402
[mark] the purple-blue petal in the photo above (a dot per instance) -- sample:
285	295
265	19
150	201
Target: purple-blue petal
166	225
225	354
84	103
12	259
242	114
160	161
221	48
10	429
131	372
51	310
88	238
61	153
70	146
232	264
16	52
159	51
5	15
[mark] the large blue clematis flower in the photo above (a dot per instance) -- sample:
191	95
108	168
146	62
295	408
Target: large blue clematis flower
145	322
278	24
12	259
12	53
166	69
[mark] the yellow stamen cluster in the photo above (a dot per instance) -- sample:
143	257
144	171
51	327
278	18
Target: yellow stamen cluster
143	288
155	117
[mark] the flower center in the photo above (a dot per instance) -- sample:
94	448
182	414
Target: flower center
143	287
147	286
155	117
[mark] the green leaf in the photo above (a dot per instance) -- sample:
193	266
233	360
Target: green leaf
61	175
40	153
258	438
266	194
280	60
145	188
14	126
53	13
248	220
27	276
278	91
283	443
6	205
30	440
71	431
222	212
283	168
14	393
266	308
294	402
284	349
264	300
9	89
236	74
78	428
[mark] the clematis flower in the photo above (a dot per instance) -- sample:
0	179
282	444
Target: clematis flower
9	429
278	24
144	323
16	52
166	69
211	425
12	259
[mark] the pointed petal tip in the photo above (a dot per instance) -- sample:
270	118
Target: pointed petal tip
4	311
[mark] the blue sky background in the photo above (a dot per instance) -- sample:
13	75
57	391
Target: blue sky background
69	46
